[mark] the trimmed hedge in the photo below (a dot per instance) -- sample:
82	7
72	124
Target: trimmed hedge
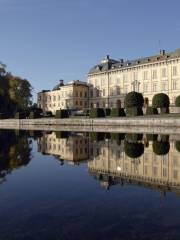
160	100
134	99
134	137
151	111
177	101
96	113
117	112
62	134
133	150
177	146
107	111
117	137
2	115
134	111
151	137
161	147
34	114
62	113
97	136
20	115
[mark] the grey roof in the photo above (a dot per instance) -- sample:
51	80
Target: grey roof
111	64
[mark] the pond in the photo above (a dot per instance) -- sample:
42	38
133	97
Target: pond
72	185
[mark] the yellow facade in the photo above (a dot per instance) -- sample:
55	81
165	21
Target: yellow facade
73	95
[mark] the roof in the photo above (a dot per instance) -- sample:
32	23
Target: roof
110	64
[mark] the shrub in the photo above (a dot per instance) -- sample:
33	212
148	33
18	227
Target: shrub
107	111
161	147
134	137
107	135
151	111
86	112
134	99
117	137
34	114
97	136
2	115
134	111
117	112
62	113
133	150
62	134
20	115
164	138
160	100
96	113
177	146
177	101
151	137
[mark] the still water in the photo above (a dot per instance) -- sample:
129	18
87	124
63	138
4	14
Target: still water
62	185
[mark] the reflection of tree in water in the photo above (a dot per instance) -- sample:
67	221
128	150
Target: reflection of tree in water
161	146
133	146
15	151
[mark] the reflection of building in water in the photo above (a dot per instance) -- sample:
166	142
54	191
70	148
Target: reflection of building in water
111	165
73	148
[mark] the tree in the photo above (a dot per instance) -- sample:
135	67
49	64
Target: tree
177	101
161	100
134	99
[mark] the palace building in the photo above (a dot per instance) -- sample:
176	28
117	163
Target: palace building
73	95
111	80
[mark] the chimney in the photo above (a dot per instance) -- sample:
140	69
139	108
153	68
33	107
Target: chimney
61	82
162	52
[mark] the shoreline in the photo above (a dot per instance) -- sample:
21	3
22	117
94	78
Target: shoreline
144	125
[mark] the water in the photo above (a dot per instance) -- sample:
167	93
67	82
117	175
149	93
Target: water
89	186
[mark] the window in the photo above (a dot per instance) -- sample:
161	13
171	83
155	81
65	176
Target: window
164	172
145	75
111	91
97	93
135	76
104	92
118	90
125	88
175	174
80	94
164	86
174	84
76	93
163	72
54	98
174	70
125	78
145	88
118	81
85	94
154	87
91	93
154	74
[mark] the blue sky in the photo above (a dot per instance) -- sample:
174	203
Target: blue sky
45	40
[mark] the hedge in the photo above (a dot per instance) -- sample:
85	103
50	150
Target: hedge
20	115
134	99
134	111
97	136
117	112
151	137
62	134
177	146
107	111
161	147
96	113
118	137
62	113
2	115
134	137
160	100
34	114
133	150
151	111
177	101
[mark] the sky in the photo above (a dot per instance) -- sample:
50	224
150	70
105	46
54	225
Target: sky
47	40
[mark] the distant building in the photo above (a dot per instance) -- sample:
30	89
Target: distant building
111	80
73	95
